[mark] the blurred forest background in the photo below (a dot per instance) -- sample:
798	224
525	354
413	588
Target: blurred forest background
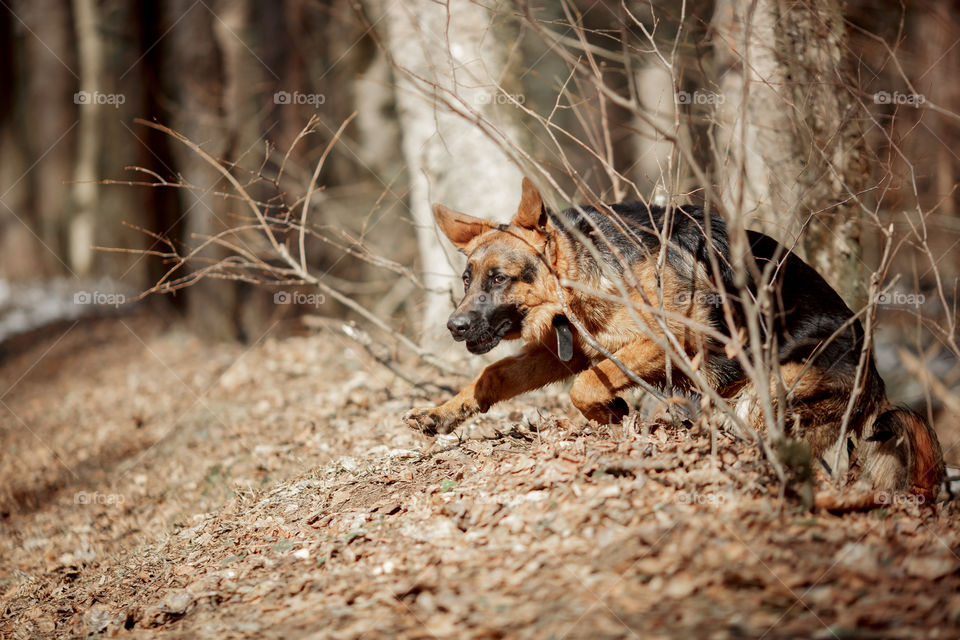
221	287
822	123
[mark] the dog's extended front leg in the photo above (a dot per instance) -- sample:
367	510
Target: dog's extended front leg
530	369
595	391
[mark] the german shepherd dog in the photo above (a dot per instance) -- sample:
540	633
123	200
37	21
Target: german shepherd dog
527	279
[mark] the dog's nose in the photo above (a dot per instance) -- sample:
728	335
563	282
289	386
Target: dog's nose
458	325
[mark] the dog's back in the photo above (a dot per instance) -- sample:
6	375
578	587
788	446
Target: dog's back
633	233
594	295
819	340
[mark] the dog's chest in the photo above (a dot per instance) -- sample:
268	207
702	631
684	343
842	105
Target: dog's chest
613	328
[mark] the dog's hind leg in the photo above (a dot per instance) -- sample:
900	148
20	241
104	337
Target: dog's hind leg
818	398
595	391
532	368
814	401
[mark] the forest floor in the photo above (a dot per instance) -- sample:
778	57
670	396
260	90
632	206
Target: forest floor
154	485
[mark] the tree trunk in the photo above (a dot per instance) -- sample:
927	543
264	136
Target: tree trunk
201	82
52	116
84	190
457	47
656	167
788	143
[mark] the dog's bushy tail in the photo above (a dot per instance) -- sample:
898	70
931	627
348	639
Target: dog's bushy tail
901	453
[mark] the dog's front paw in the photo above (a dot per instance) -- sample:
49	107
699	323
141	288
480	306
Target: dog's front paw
430	420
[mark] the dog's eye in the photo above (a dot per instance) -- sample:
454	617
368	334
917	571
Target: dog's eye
466	281
500	279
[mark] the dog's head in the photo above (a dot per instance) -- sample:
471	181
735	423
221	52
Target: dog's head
506	274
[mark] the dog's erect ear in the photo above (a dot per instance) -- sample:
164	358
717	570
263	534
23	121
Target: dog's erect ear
531	213
459	227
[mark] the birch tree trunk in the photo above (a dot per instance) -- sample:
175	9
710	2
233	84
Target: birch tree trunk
84	191
789	147
656	167
454	47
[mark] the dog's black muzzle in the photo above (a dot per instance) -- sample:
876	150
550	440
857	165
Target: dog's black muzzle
483	329
459	324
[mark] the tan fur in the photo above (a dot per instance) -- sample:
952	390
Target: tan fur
613	324
815	398
815	402
910	461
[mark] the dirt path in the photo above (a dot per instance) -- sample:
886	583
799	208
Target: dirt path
155	485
